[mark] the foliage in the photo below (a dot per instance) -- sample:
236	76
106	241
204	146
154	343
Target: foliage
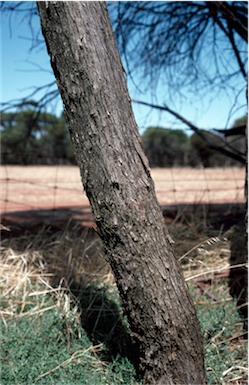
169	147
172	43
29	136
202	154
240	121
164	147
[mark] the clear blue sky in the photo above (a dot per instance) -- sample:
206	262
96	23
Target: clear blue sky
21	71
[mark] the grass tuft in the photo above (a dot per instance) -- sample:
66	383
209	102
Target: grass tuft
61	320
52	312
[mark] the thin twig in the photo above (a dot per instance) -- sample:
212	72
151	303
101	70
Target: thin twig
75	355
215	270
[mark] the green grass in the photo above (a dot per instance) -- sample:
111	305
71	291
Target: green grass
53	348
225	355
53	335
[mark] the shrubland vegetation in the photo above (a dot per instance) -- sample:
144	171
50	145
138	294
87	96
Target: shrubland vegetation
31	137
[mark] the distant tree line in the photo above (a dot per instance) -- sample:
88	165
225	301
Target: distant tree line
170	147
31	137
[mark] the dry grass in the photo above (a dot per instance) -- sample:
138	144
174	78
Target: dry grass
37	268
56	260
51	262
48	262
206	258
22	274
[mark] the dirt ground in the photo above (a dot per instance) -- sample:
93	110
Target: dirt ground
35	196
199	207
50	187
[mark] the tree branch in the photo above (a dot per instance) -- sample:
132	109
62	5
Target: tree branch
226	150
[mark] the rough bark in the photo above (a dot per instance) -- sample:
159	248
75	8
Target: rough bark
117	181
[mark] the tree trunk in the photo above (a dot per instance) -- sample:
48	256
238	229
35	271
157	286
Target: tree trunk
117	181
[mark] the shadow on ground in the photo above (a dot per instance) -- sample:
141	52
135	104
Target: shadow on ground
74	257
71	233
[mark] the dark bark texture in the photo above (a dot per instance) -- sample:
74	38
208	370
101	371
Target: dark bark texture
117	181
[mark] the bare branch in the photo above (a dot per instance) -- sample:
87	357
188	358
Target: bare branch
176	39
225	149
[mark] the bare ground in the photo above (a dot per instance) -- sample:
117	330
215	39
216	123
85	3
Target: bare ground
39	187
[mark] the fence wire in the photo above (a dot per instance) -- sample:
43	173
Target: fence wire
50	187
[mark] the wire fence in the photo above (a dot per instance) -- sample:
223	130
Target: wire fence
51	187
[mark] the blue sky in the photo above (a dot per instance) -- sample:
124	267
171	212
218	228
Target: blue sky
21	71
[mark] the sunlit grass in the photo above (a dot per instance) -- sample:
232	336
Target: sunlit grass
61	321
